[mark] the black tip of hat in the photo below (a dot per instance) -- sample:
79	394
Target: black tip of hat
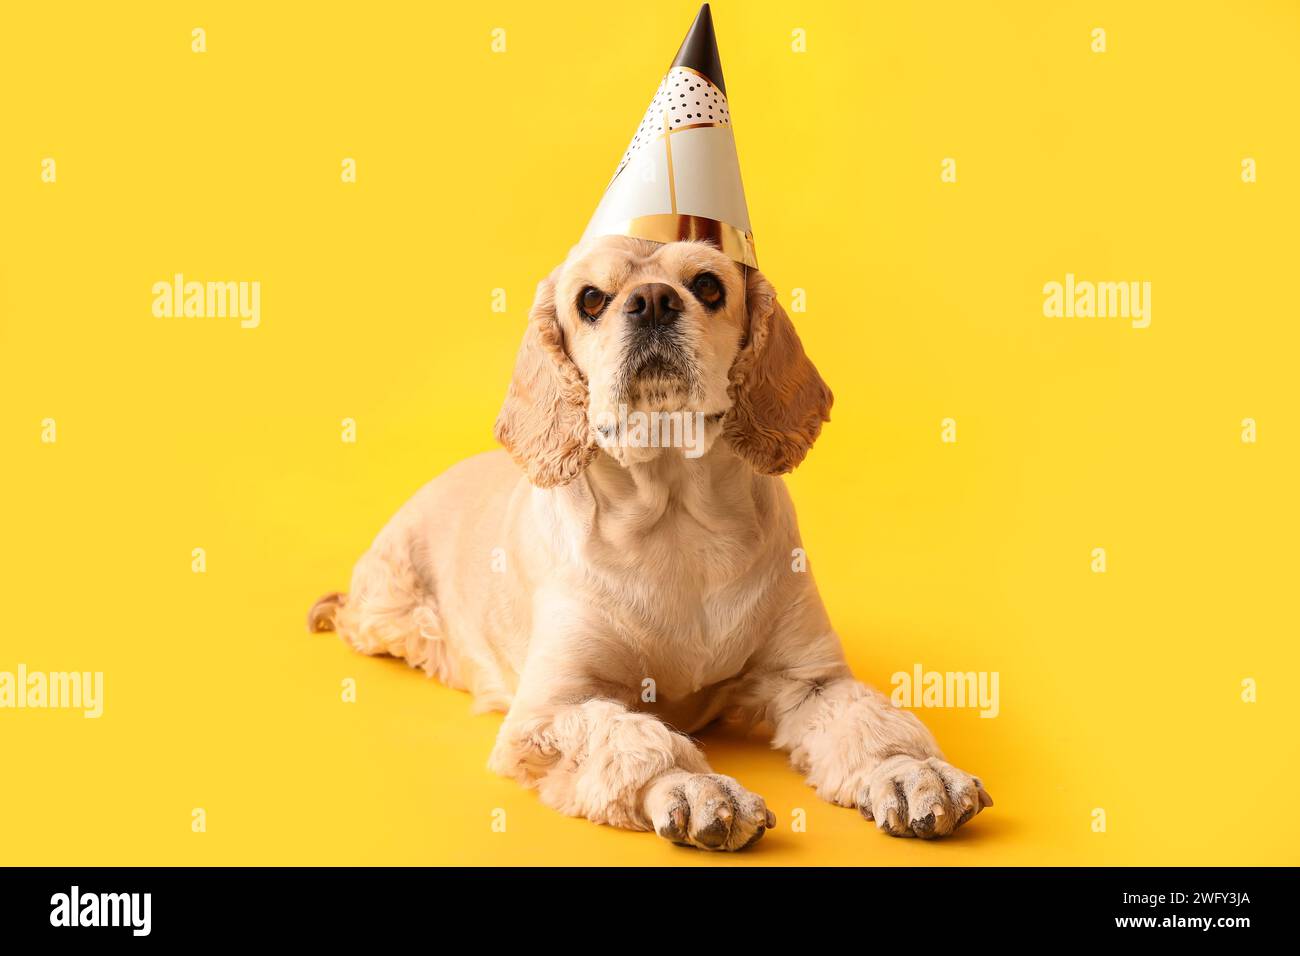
699	50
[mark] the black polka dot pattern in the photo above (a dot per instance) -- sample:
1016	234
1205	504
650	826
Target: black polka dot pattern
688	99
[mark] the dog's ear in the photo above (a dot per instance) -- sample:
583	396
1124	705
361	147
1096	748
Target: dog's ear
543	423
779	402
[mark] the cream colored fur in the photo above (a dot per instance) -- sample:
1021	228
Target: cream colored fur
613	602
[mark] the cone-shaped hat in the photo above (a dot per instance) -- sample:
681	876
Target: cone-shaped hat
680	178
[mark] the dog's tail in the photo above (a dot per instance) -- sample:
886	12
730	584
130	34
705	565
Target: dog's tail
321	615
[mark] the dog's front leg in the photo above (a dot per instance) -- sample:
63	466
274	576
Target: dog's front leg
587	753
856	748
599	760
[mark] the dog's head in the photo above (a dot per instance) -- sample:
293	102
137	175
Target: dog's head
625	330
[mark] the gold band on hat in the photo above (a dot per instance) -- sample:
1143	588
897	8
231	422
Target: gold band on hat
680	227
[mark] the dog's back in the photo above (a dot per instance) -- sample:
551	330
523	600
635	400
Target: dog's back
421	592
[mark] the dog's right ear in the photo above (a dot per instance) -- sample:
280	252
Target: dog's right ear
543	423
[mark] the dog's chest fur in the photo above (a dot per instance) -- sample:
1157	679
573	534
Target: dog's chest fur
682	555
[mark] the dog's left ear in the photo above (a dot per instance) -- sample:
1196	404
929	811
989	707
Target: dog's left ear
779	402
543	422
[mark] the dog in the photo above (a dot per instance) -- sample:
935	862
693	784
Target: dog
619	595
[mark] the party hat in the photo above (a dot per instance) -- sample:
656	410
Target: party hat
680	177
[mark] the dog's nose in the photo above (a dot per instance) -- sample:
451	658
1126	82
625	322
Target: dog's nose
653	305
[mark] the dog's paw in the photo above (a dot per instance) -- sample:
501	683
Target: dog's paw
708	811
924	798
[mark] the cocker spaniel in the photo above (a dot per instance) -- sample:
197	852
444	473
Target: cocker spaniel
624	575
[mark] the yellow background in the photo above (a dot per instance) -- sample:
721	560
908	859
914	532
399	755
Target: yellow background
476	171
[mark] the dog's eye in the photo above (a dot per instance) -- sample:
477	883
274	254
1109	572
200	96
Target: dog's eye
592	302
708	289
